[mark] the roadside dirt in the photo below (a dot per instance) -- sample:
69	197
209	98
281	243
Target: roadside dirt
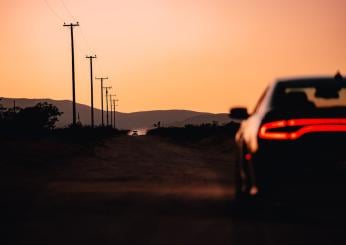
148	165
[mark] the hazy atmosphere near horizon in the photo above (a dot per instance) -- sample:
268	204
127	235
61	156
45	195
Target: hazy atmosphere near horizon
204	55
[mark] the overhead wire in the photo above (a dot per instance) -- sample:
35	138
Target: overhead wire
80	29
86	45
69	13
67	10
53	11
85	39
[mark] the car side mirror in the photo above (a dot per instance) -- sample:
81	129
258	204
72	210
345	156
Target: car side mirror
238	114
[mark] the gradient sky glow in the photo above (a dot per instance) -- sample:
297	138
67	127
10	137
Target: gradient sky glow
204	55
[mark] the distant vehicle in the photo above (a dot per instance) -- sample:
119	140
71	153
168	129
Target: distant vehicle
293	146
134	133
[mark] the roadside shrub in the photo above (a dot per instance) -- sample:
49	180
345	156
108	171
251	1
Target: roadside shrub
38	118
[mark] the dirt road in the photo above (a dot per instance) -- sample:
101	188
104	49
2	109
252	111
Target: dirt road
144	190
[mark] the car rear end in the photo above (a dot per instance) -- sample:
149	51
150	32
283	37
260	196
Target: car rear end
301	146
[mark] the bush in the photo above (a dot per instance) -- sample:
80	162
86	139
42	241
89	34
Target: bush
41	117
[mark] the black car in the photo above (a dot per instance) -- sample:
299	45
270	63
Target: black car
293	146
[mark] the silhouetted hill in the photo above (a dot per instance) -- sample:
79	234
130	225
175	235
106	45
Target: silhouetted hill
143	119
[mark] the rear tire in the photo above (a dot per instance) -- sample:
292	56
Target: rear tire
240	195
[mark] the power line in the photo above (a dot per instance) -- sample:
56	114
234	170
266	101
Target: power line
57	16
99	68
87	43
67	10
53	11
80	29
81	49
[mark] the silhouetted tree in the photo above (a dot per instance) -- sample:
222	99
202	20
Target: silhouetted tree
40	116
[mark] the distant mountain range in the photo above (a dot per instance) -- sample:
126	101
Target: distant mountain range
133	120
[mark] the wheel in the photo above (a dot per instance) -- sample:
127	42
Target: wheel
240	193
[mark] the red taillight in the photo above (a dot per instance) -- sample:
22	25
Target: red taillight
295	128
248	156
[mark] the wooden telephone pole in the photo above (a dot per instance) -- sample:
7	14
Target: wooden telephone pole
111	103
114	101
101	79
106	88
73	74
91	87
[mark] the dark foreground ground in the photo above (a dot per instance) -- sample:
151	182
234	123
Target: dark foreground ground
139	190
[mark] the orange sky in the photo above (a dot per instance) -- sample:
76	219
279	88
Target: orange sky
204	55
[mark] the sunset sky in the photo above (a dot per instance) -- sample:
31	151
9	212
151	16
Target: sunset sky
204	55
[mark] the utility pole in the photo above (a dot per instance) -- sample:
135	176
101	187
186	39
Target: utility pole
102	78
114	111
106	88
91	87
71	25
110	100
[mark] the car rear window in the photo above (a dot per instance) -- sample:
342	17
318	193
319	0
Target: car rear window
310	94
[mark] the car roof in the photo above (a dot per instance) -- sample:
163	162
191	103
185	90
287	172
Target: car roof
310	81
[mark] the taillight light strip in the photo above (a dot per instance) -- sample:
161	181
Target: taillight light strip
305	126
